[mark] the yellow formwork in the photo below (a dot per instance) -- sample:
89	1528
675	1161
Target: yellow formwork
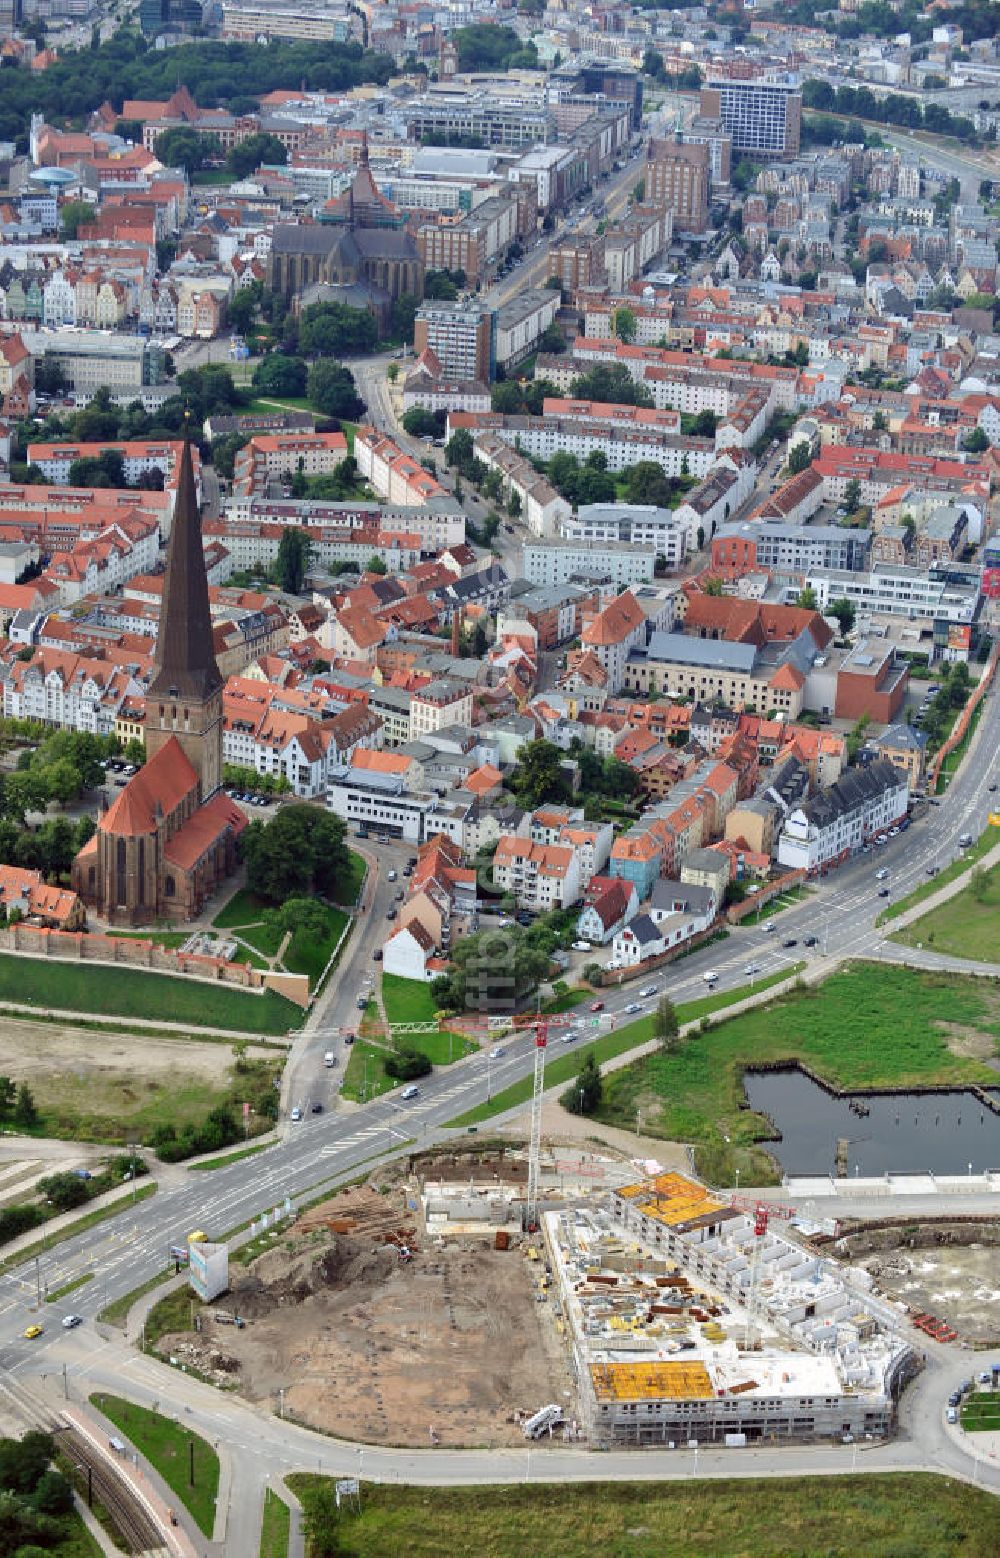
672	1199
651	1381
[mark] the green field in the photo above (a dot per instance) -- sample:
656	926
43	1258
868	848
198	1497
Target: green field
355	1076
129	992
243	908
275	1526
981	1412
305	956
166	1446
967	926
409	1000
564	1068
850	1030
982	846
249	918
894	1516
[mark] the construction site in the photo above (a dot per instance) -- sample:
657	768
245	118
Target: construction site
945	1272
690	1320
360	1321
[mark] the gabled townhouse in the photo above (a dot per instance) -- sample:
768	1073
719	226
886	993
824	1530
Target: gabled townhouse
608	911
834	824
612	634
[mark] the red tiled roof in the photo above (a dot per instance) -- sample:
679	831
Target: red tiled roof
155	791
218	815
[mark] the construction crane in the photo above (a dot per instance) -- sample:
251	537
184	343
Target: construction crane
762	1212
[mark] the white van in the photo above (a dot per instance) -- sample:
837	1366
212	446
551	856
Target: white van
329	1059
880	876
710	976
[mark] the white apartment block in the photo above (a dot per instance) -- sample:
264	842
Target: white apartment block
559	562
835	823
440	703
633	524
539	876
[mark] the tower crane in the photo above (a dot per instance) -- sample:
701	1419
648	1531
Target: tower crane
762	1212
519	1022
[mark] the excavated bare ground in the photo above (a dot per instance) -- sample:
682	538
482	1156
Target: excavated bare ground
445	1348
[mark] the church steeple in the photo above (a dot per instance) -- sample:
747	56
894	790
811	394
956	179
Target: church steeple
184	699
184	664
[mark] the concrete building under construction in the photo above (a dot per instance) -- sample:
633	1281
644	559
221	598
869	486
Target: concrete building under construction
690	1320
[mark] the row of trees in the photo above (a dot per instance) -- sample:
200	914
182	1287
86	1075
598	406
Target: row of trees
894	108
36	1501
299	852
218	75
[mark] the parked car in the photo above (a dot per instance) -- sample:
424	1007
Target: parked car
582	946
412	1091
391	914
296	1114
951	1414
377	955
317	1108
392	876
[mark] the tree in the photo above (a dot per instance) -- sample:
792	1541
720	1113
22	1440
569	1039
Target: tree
404	313
335	330
647	482
135	752
420	423
301	851
64	781
494	970
799	457
584	1095
25	1108
64	1190
852	495
459	450
375	564
879	422
53	1495
301	916
279	374
713	585
321	1521
612	385
252	153
332	390
8	1093
666	1028
406	1063
187	149
623	324
537	777
242	308
293	559
845	614
806	598
74	215
392	372
976	442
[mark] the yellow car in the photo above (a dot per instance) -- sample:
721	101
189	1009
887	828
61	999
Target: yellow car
198	1237
33	1331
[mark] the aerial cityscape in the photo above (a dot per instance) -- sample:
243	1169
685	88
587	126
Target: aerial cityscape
499	812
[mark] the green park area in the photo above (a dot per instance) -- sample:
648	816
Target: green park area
563	1067
981	1412
188	1465
275	1527
126	992
802	1517
867	1026
404	1001
967	926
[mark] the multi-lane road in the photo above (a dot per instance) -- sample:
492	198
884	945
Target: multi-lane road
325	1148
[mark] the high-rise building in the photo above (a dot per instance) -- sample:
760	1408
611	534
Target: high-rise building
460	336
763	117
677	180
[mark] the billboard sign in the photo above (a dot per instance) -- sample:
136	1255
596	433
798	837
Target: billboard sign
208	1270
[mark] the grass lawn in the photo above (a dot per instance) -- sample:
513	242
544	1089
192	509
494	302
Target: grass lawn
108	1106
167	1448
69	1287
303	955
410	1000
982	846
278	403
565	999
174	1312
275	1527
407	1000
129	992
848	1030
243	908
264	939
211	1164
358	1073
162	938
351	888
564	1067
967	926
767	911
981	1412
797	1517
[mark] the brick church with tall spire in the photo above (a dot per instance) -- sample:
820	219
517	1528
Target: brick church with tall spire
169	840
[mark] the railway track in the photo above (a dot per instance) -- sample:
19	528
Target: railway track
136	1529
